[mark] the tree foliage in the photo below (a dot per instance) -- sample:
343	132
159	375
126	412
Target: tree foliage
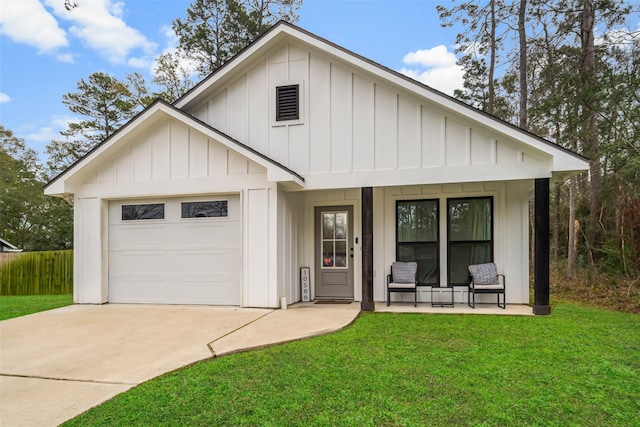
172	76
27	218
215	30
582	81
103	104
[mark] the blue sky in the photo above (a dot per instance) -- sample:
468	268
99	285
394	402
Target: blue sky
45	50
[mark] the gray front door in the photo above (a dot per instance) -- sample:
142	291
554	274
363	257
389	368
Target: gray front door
334	252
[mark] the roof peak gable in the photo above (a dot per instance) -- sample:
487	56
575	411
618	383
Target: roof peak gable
286	29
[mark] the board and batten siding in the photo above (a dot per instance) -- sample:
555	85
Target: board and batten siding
171	158
354	124
290	244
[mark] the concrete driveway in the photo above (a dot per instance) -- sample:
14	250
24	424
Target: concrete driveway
57	364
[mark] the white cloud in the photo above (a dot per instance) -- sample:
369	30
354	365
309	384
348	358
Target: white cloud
51	130
28	22
170	35
62	122
67	58
101	26
4	98
620	37
435	67
44	134
438	56
141	62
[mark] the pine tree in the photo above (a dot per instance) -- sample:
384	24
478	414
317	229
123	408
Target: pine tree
215	30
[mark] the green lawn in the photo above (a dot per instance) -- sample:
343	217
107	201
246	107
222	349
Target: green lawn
16	306
578	367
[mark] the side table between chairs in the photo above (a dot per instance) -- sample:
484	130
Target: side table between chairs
441	303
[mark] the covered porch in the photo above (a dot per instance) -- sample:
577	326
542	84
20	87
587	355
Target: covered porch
481	250
414	223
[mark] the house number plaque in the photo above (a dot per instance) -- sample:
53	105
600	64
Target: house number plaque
305	284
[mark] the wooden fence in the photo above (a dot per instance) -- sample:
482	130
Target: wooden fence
8	256
37	273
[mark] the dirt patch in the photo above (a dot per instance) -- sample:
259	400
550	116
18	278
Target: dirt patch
594	288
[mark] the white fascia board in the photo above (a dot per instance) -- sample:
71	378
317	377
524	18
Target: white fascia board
56	188
565	162
278	175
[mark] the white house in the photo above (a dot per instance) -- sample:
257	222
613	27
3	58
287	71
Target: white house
299	153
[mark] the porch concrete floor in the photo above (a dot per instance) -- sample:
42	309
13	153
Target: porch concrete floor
458	308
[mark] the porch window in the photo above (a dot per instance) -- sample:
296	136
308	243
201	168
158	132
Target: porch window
417	235
470	235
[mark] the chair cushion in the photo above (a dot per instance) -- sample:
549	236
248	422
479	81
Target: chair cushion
394	285
484	274
404	272
481	287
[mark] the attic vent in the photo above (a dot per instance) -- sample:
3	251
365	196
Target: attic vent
287	102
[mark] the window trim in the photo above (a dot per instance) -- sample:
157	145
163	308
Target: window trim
436	243
289	91
491	242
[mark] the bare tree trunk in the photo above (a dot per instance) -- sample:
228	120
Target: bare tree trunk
532	234
524	92
592	146
571	254
556	226
623	249
492	60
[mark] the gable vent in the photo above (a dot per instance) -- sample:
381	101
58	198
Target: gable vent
287	102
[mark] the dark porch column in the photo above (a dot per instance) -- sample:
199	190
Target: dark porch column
541	256
367	249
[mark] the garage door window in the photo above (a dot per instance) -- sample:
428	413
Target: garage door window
212	209
146	211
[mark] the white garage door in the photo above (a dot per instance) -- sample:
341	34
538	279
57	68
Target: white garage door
175	251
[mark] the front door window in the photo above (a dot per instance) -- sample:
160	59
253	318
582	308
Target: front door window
334	235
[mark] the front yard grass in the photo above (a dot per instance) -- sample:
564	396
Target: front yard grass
579	366
16	306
